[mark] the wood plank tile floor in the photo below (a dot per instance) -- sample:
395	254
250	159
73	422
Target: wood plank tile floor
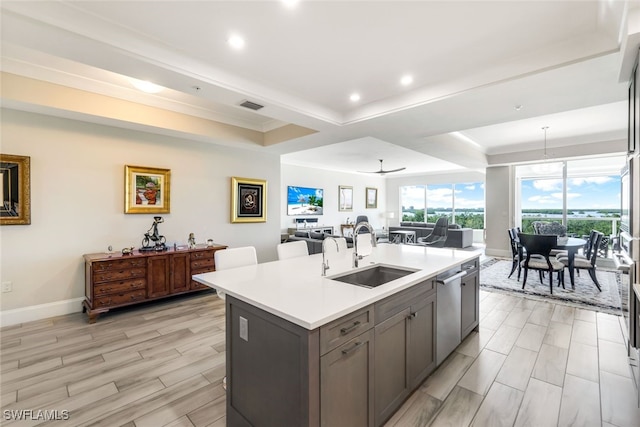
532	363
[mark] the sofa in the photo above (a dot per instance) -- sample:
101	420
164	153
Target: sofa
457	237
314	240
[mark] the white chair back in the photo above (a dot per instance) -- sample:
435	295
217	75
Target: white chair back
235	257
293	249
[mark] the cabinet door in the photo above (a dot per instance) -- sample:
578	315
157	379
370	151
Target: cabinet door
422	348
470	303
180	279
346	384
391	339
158	276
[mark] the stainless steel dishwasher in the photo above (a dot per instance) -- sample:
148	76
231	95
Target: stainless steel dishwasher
448	312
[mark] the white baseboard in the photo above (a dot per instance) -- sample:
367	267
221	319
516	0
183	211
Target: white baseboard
41	311
497	253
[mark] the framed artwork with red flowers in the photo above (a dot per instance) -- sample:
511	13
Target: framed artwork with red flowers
147	190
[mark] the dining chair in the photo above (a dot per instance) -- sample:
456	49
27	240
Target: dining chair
586	250
515	252
589	264
234	258
540	244
293	249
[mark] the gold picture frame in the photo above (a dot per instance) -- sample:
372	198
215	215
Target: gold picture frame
248	200
371	197
345	198
16	190
147	190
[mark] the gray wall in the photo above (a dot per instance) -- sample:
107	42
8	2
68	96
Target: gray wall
499	197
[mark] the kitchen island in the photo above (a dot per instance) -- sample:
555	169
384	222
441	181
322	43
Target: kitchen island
307	350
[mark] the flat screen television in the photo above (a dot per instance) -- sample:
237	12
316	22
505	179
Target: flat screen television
304	201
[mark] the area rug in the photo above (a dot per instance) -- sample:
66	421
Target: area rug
494	272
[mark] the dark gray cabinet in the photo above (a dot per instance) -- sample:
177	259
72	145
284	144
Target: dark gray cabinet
470	299
470	303
404	346
354	371
346	384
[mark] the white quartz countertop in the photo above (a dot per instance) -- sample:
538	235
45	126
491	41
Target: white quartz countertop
295	290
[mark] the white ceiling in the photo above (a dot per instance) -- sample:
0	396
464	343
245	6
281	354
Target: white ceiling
564	62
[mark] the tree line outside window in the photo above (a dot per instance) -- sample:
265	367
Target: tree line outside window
461	203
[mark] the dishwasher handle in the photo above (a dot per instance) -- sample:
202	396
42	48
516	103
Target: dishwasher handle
452	278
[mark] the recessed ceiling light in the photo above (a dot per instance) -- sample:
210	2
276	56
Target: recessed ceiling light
406	80
146	86
236	42
354	97
290	3
518	107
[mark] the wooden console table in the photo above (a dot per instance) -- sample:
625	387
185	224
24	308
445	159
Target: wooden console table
116	280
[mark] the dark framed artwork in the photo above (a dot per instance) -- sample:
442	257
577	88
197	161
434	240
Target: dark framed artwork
248	200
147	190
16	190
371	198
345	198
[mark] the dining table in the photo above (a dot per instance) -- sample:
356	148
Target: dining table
571	245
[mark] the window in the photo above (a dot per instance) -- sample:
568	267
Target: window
413	202
582	194
463	203
468	205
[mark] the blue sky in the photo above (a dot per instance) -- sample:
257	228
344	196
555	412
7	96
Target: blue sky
590	193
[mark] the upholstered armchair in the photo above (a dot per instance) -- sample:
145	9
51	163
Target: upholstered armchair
554	228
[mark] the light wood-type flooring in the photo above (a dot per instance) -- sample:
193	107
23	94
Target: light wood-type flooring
531	364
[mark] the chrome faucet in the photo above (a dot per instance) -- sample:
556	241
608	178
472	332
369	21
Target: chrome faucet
325	263
357	228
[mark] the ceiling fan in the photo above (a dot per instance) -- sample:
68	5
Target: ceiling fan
382	171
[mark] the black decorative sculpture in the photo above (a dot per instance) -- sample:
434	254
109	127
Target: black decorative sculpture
152	240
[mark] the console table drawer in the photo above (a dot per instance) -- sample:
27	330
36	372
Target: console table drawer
202	264
119	287
119	299
119	264
202	255
111	275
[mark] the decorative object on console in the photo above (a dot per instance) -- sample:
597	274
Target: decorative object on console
345	198
147	190
128	251
152	235
371	198
304	201
192	241
209	243
248	200
16	181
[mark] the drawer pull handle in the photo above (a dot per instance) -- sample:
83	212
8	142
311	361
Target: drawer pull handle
413	315
355	347
345	331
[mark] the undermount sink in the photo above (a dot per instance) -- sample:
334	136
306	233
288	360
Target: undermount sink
373	276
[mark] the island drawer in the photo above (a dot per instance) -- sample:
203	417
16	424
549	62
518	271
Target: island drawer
119	287
396	303
345	328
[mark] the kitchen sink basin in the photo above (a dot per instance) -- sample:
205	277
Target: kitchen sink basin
373	276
